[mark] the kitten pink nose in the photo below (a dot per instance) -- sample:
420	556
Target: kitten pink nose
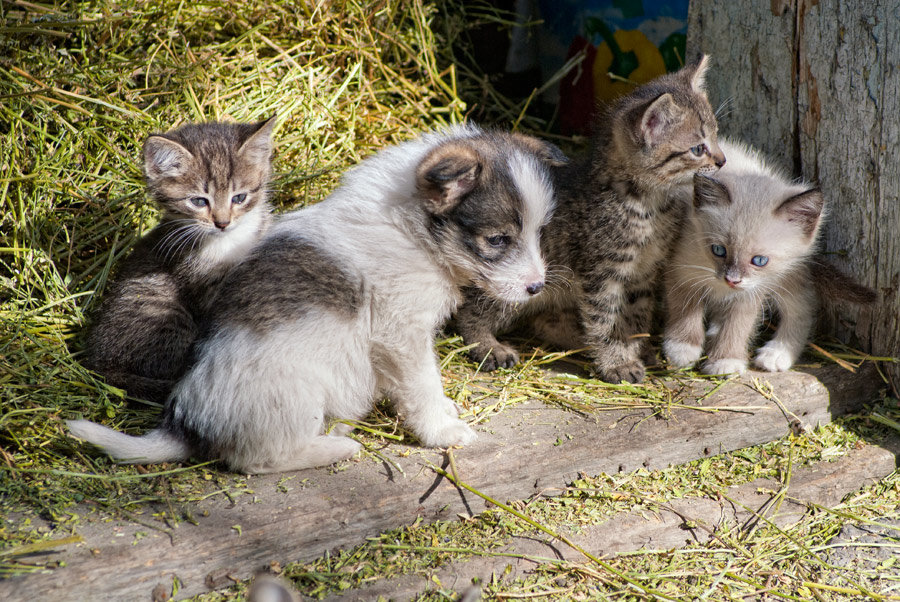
222	225
719	159
732	282
535	287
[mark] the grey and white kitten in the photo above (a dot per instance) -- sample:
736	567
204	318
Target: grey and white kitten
746	245
210	180
614	224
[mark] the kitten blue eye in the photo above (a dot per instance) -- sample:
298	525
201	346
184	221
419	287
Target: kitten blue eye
498	240
239	198
198	201
718	250
698	150
759	260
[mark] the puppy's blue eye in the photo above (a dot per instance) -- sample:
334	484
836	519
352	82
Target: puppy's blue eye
199	201
698	150
498	240
759	260
239	198
718	250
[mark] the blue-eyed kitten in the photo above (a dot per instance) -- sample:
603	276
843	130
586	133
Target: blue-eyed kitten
745	246
211	182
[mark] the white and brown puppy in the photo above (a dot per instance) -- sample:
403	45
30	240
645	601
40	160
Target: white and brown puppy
339	303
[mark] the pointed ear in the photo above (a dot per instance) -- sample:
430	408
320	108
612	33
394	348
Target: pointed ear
546	152
697	74
257	148
164	158
709	192
805	210
447	174
657	118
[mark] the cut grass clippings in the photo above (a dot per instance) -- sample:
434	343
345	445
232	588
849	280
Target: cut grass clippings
83	83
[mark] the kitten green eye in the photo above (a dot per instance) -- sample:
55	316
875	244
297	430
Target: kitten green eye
699	150
198	201
239	198
759	260
498	240
719	251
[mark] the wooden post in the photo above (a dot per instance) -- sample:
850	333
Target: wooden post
816	85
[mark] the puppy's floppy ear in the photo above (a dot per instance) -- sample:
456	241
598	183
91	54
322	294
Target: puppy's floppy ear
164	158
447	174
546	152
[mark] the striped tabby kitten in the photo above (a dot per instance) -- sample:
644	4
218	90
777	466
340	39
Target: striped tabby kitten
747	244
210	181
614	223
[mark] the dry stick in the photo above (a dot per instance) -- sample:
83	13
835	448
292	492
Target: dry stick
546	530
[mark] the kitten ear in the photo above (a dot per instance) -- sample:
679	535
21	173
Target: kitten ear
164	158
805	210
709	191
697	74
257	148
446	175
546	152
657	118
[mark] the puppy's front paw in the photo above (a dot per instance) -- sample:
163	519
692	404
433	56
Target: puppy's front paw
500	356
631	372
774	356
450	432
726	365
680	354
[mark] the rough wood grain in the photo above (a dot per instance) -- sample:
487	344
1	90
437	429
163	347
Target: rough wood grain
659	526
751	73
816	83
521	451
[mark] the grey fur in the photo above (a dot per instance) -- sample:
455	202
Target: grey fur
749	210
149	318
614	224
339	303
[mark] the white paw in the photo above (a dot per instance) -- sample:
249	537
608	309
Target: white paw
725	366
774	356
450	432
681	354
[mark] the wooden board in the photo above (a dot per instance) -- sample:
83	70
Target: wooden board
659	526
526	449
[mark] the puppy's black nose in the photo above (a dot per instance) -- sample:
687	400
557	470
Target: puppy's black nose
534	288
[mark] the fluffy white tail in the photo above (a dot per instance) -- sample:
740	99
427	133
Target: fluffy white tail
154	447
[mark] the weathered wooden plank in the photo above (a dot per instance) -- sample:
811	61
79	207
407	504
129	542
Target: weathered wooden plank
523	450
659	526
750	47
849	102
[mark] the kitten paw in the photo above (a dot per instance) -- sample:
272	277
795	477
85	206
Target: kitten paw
680	354
630	372
500	356
450	432
726	365
774	356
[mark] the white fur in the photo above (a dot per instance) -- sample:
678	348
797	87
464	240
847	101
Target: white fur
775	356
155	446
232	244
681	354
268	394
725	366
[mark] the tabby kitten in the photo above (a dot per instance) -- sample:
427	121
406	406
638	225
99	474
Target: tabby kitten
210	180
746	244
614	223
